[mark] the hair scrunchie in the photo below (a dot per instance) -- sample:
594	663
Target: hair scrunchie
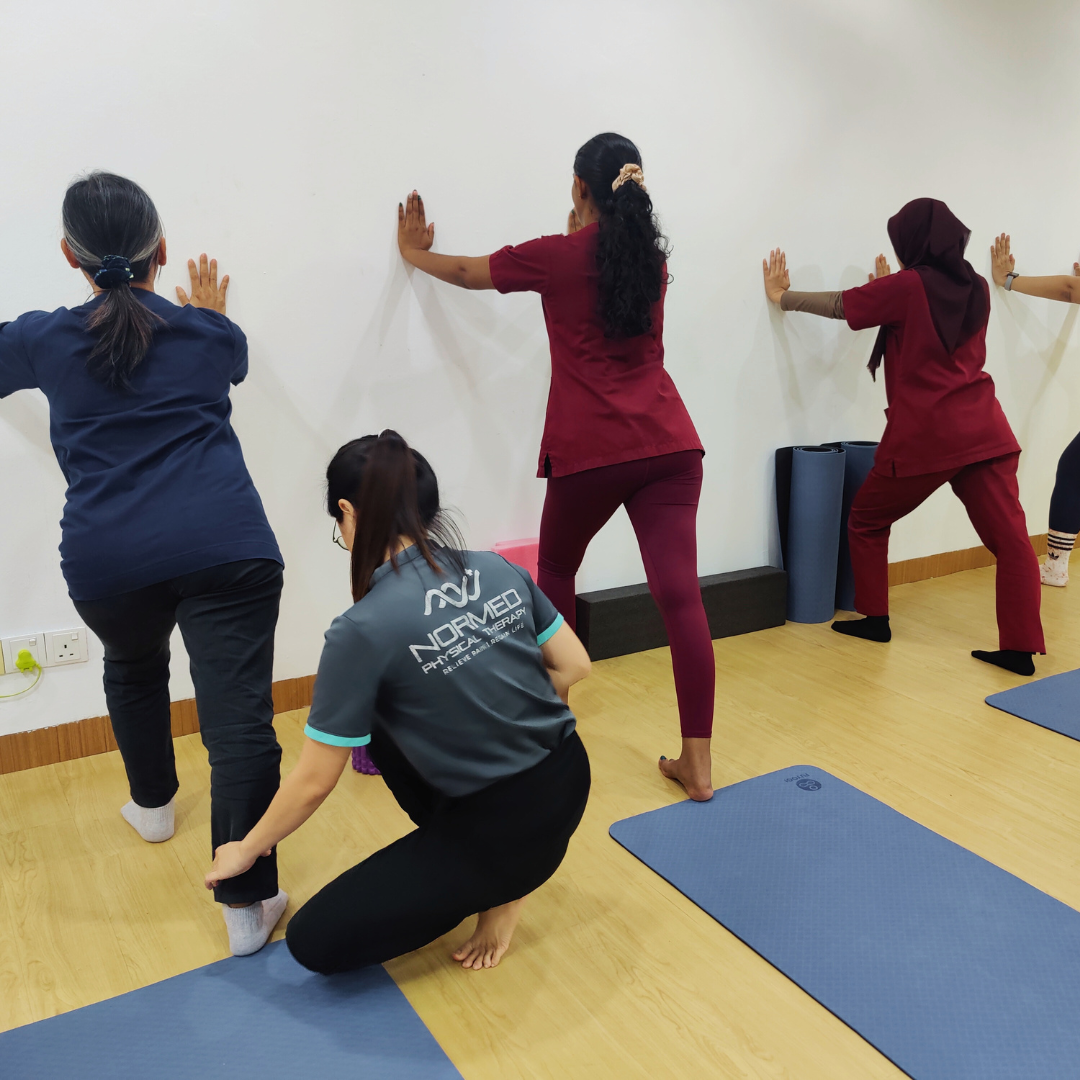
115	270
629	172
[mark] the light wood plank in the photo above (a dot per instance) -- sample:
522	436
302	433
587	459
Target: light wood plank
613	973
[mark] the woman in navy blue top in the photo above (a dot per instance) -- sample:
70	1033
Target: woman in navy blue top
162	524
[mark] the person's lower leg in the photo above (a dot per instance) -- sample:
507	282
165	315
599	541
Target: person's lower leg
694	668
990	495
1064	517
869	548
232	816
137	695
664	518
1059	546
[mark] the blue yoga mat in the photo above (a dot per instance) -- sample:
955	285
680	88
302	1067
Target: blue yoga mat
951	967
858	461
256	1017
810	527
1053	703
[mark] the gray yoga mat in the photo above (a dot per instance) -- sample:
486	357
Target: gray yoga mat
809	496
858	461
261	1017
1053	702
948	965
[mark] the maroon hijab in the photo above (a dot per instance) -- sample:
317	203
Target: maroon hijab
929	239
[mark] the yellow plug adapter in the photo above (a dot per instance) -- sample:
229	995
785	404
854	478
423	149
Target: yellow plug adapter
25	661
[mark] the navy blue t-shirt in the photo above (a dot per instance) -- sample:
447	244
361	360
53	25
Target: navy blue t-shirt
157	485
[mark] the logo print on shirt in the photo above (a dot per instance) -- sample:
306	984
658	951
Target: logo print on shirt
443	595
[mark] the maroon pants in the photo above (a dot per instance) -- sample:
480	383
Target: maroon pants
991	496
661	497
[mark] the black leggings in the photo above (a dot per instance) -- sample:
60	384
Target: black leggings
467	855
1065	502
227	615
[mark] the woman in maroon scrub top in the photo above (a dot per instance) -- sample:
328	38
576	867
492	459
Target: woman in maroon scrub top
944	421
617	433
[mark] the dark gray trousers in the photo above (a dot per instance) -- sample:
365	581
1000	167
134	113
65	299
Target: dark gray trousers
227	615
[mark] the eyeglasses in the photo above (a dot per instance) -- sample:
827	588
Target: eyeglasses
338	539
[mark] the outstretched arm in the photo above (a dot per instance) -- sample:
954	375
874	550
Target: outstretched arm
300	795
1053	287
829	305
415	237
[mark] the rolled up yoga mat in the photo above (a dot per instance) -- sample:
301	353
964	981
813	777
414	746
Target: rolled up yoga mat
809	499
858	461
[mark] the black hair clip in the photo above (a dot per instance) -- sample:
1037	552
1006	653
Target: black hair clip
115	270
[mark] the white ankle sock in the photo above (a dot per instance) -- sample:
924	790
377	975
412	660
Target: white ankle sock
250	927
153	823
1059	546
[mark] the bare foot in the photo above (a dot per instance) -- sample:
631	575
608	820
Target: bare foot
692	769
491	938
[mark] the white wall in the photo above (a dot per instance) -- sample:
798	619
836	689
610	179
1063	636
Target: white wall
280	136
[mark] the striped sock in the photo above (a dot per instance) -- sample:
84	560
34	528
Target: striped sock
1059	545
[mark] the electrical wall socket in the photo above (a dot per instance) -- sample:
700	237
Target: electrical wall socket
57	648
65	647
12	646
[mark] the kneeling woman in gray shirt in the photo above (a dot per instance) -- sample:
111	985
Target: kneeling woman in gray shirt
453	669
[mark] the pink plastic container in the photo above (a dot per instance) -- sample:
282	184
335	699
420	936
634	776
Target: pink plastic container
522	552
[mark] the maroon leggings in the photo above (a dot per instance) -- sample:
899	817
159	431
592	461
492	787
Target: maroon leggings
661	496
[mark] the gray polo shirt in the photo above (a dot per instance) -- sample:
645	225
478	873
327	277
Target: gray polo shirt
449	665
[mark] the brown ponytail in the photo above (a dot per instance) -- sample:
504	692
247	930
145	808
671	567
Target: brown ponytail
395	494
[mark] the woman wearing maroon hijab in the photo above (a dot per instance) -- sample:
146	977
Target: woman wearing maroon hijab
944	421
617	432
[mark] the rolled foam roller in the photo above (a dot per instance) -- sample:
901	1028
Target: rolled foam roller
858	461
813	532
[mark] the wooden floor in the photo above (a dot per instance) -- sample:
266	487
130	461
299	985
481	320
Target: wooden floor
613	973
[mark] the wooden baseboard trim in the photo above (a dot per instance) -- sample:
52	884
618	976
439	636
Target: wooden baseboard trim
84	738
949	562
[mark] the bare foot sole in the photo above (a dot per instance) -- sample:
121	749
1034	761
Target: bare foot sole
698	787
491	938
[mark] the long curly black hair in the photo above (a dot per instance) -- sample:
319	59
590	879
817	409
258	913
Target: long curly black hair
631	251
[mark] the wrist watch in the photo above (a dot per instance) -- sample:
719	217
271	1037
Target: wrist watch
1009	277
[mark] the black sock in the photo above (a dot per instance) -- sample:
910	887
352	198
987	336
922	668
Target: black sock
872	628
1019	663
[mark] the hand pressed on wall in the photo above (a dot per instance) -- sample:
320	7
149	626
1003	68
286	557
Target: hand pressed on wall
413	231
881	268
777	279
205	291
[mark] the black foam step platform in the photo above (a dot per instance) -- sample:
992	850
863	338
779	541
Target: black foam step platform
614	622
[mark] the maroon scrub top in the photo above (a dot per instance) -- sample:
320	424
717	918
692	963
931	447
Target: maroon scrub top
943	412
610	400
